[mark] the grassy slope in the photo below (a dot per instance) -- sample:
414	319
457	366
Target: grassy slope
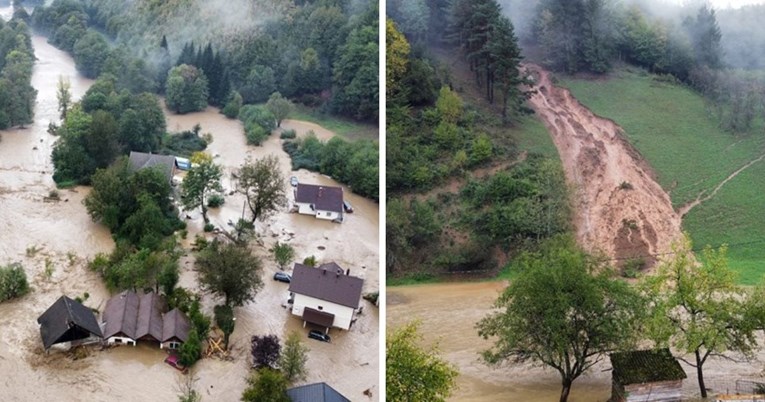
671	128
348	129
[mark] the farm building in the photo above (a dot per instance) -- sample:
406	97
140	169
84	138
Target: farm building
323	202
319	392
325	296
67	320
165	163
646	376
130	317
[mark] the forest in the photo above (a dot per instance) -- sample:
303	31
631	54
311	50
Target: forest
17	96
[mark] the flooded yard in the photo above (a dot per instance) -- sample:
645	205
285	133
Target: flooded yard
61	235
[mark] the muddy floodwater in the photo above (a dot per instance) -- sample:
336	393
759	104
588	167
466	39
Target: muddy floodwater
61	237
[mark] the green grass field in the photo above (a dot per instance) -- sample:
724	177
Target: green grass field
670	126
532	136
349	129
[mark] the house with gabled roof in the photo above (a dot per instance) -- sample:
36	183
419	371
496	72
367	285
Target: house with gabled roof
319	392
67	320
130	317
325	296
323	202
165	163
646	376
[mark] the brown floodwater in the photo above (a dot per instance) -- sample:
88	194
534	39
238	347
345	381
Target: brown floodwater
448	314
64	237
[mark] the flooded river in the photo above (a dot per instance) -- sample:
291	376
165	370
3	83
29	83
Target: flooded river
62	235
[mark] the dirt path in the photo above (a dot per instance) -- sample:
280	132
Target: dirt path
620	209
682	211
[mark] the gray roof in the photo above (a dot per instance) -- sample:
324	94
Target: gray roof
67	320
324	198
149	323
319	392
326	283
175	325
134	316
141	160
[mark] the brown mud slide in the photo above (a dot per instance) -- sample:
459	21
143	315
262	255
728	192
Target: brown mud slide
620	209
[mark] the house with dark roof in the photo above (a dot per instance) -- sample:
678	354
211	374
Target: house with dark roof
323	202
325	296
646	376
319	392
67	320
131	317
165	163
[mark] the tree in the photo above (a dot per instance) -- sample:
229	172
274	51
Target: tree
696	307
224	319
266	385
191	350
355	74
293	359
262	184
564	311
202	179
706	36
396	59
234	104
186	89
13	282
90	53
231	271
186	382
265	351
279	106
415	374
283	254
64	95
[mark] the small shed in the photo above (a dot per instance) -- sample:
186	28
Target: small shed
319	392
66	321
646	376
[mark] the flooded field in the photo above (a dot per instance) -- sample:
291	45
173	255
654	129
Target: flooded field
61	235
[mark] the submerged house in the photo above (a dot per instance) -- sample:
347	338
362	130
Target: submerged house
323	202
319	392
130	317
165	163
646	376
67	320
325	296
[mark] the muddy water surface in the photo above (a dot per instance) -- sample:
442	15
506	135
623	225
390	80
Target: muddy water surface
61	235
448	314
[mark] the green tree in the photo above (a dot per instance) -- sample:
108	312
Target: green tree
355	74
283	254
449	105
224	319
231	271
696	307
415	374
186	89
90	53
202	179
64	95
266	385
279	106
564	311
397	59
262	184
231	110
191	350
293	359
13	282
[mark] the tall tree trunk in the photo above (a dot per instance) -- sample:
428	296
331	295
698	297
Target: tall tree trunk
565	391
700	374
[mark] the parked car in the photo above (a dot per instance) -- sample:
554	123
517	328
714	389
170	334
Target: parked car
318	335
347	207
175	361
282	277
293	181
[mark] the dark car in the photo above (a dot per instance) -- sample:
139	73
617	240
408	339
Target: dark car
318	335
282	277
347	207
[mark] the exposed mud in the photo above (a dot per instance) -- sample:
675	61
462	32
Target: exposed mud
61	235
620	209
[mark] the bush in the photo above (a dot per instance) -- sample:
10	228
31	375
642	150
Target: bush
215	201
13	282
310	261
255	134
209	227
288	134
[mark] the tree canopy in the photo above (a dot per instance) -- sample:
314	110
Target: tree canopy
230	271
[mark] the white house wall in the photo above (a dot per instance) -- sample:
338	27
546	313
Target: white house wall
328	215
343	314
124	341
305	209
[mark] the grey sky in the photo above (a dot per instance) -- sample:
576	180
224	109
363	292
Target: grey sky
723	3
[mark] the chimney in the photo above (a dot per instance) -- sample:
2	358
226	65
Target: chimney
347	272
324	271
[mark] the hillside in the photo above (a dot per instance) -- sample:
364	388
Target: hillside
671	127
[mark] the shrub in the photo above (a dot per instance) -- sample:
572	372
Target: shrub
209	227
310	261
13	282
288	134
215	201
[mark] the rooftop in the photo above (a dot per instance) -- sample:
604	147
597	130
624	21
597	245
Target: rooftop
644	366
327	283
324	198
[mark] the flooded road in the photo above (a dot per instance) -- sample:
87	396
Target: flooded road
62	236
436	306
